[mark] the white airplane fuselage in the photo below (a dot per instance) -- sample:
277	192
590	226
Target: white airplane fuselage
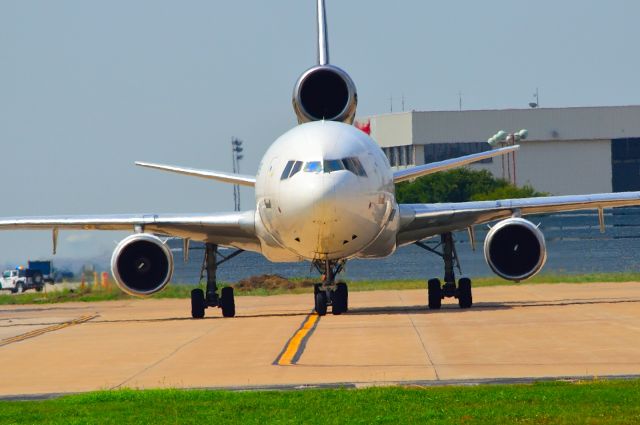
325	191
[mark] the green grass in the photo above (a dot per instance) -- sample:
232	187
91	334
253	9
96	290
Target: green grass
594	402
300	287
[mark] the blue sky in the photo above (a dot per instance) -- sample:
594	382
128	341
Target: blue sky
88	87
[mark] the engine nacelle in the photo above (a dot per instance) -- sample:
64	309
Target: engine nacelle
515	249
325	92
142	264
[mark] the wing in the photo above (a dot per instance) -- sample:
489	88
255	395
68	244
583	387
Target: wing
240	179
229	229
436	167
420	221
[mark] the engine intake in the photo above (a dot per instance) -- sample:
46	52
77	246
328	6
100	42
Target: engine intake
515	249
325	92
142	264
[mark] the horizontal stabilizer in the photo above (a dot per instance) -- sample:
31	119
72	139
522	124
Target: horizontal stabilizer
436	167
240	179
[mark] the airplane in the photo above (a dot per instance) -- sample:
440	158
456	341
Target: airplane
325	194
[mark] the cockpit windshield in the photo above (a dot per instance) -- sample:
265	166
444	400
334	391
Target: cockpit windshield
351	164
313	167
333	165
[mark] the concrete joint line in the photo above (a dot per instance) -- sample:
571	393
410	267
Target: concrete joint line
41	331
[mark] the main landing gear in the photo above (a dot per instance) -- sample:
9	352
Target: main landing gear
437	291
329	293
201	300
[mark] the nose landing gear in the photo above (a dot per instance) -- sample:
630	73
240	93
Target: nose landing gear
329	293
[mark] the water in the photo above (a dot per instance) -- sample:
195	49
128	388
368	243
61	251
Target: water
574	246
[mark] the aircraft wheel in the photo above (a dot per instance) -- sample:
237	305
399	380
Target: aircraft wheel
197	304
434	289
465	300
227	302
340	297
321	303
346	292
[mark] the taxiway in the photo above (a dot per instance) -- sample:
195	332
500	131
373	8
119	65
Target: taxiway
387	337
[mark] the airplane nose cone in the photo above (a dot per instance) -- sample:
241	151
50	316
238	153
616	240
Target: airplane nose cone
329	218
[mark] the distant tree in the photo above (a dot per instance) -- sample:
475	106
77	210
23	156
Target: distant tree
460	185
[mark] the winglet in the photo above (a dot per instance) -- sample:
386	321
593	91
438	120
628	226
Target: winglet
206	174
323	37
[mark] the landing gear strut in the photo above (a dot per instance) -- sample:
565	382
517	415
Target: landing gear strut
200	300
437	291
329	293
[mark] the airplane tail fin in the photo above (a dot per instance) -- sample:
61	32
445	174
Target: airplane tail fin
324	92
323	37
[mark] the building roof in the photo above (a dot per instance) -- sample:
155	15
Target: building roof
544	124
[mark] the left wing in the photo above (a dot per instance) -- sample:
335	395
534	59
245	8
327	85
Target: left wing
420	221
235	229
447	164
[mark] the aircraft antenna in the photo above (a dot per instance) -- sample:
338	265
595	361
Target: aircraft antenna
323	37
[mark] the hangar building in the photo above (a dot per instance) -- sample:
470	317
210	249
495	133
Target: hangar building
568	150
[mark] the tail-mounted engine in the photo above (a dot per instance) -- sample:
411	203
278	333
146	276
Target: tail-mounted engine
515	249
325	92
142	264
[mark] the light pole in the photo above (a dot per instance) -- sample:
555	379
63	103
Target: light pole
502	138
236	156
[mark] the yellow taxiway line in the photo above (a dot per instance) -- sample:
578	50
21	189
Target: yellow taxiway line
52	328
296	345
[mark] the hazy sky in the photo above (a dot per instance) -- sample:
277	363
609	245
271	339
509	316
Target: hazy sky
88	87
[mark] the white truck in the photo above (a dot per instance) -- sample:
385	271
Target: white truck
19	280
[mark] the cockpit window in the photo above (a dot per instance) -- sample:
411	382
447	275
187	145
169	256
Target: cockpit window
354	165
333	165
290	169
313	167
287	170
296	168
351	164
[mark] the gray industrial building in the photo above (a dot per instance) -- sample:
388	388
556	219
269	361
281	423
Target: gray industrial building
568	150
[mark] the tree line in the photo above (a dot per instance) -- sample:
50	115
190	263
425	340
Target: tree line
460	185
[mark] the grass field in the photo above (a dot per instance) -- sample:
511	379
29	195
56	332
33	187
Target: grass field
295	286
597	402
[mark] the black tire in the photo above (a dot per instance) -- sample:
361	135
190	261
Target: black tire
39	288
465	299
321	303
340	299
19	288
346	298
227	302
37	278
198	304
434	290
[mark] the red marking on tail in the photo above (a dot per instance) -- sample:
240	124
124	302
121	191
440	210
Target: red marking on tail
365	127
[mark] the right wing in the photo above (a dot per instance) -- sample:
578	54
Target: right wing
421	221
235	229
240	179
447	164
